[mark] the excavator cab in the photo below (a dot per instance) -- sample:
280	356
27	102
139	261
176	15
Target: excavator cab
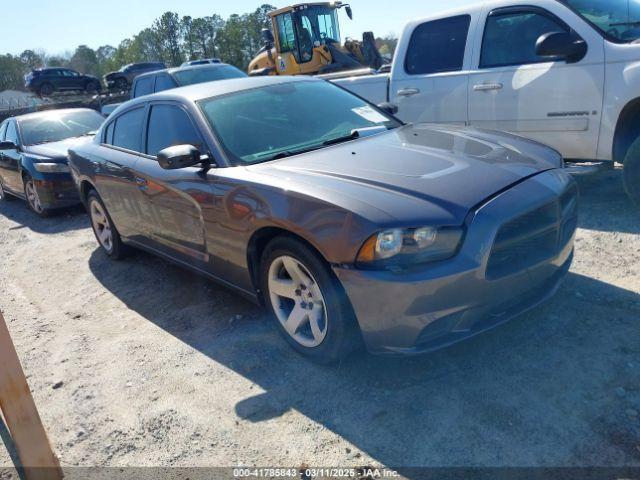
306	40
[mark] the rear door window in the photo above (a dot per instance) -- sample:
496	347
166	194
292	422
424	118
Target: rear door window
144	86
3	128
170	125
438	46
127	132
510	37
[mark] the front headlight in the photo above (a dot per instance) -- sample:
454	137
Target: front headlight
409	246
51	167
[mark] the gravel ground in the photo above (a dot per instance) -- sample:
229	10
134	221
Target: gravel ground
139	363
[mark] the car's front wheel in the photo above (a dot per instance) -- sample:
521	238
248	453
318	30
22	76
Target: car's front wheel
631	172
33	198
310	307
103	227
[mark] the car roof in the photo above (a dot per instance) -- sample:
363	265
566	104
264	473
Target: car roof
201	91
50	113
186	68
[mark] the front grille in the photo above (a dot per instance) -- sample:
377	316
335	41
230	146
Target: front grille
535	236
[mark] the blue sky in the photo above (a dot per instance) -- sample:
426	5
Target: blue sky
60	25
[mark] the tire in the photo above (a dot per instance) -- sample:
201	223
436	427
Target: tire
92	87
46	89
4	196
631	172
309	297
33	200
121	84
101	223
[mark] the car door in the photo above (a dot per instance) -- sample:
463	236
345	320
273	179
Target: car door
174	199
3	170
555	102
10	160
121	146
430	85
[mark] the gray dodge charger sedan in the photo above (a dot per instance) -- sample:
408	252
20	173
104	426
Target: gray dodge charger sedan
348	225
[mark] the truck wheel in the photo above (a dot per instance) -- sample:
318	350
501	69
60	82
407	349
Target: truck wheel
46	89
122	84
631	172
310	307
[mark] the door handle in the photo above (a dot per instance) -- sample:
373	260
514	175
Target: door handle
486	87
141	183
407	92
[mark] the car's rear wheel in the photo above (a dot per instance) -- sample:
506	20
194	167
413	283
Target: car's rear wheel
46	89
631	172
103	227
33	199
92	87
122	84
310	307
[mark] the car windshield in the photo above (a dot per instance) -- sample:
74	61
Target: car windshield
619	20
54	127
281	120
202	75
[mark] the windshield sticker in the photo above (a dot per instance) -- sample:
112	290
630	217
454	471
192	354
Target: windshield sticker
370	114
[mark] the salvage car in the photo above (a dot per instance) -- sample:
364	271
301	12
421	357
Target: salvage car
562	72
33	156
346	223
46	81
123	78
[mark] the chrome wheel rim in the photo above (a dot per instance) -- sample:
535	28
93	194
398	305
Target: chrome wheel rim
101	226
32	197
297	301
1	192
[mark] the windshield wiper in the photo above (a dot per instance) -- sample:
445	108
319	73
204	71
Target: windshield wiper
356	133
289	153
88	134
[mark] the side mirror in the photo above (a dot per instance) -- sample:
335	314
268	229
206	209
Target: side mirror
562	45
349	12
8	146
267	37
389	108
179	156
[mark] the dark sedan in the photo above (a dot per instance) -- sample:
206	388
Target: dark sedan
347	224
33	156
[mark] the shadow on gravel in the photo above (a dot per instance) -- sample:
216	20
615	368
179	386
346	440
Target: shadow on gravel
540	390
63	220
604	205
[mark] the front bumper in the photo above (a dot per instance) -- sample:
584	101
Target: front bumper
435	305
57	193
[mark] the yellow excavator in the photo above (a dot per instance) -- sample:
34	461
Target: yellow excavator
305	40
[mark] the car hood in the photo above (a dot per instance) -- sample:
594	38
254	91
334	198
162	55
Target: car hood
57	151
416	173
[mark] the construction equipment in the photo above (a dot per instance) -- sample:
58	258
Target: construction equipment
305	40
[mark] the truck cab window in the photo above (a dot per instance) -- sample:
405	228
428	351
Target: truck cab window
510	38
438	46
286	33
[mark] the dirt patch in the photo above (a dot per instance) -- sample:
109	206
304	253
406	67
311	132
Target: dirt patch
139	363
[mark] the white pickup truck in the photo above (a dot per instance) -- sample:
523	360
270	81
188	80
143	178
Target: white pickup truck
563	72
